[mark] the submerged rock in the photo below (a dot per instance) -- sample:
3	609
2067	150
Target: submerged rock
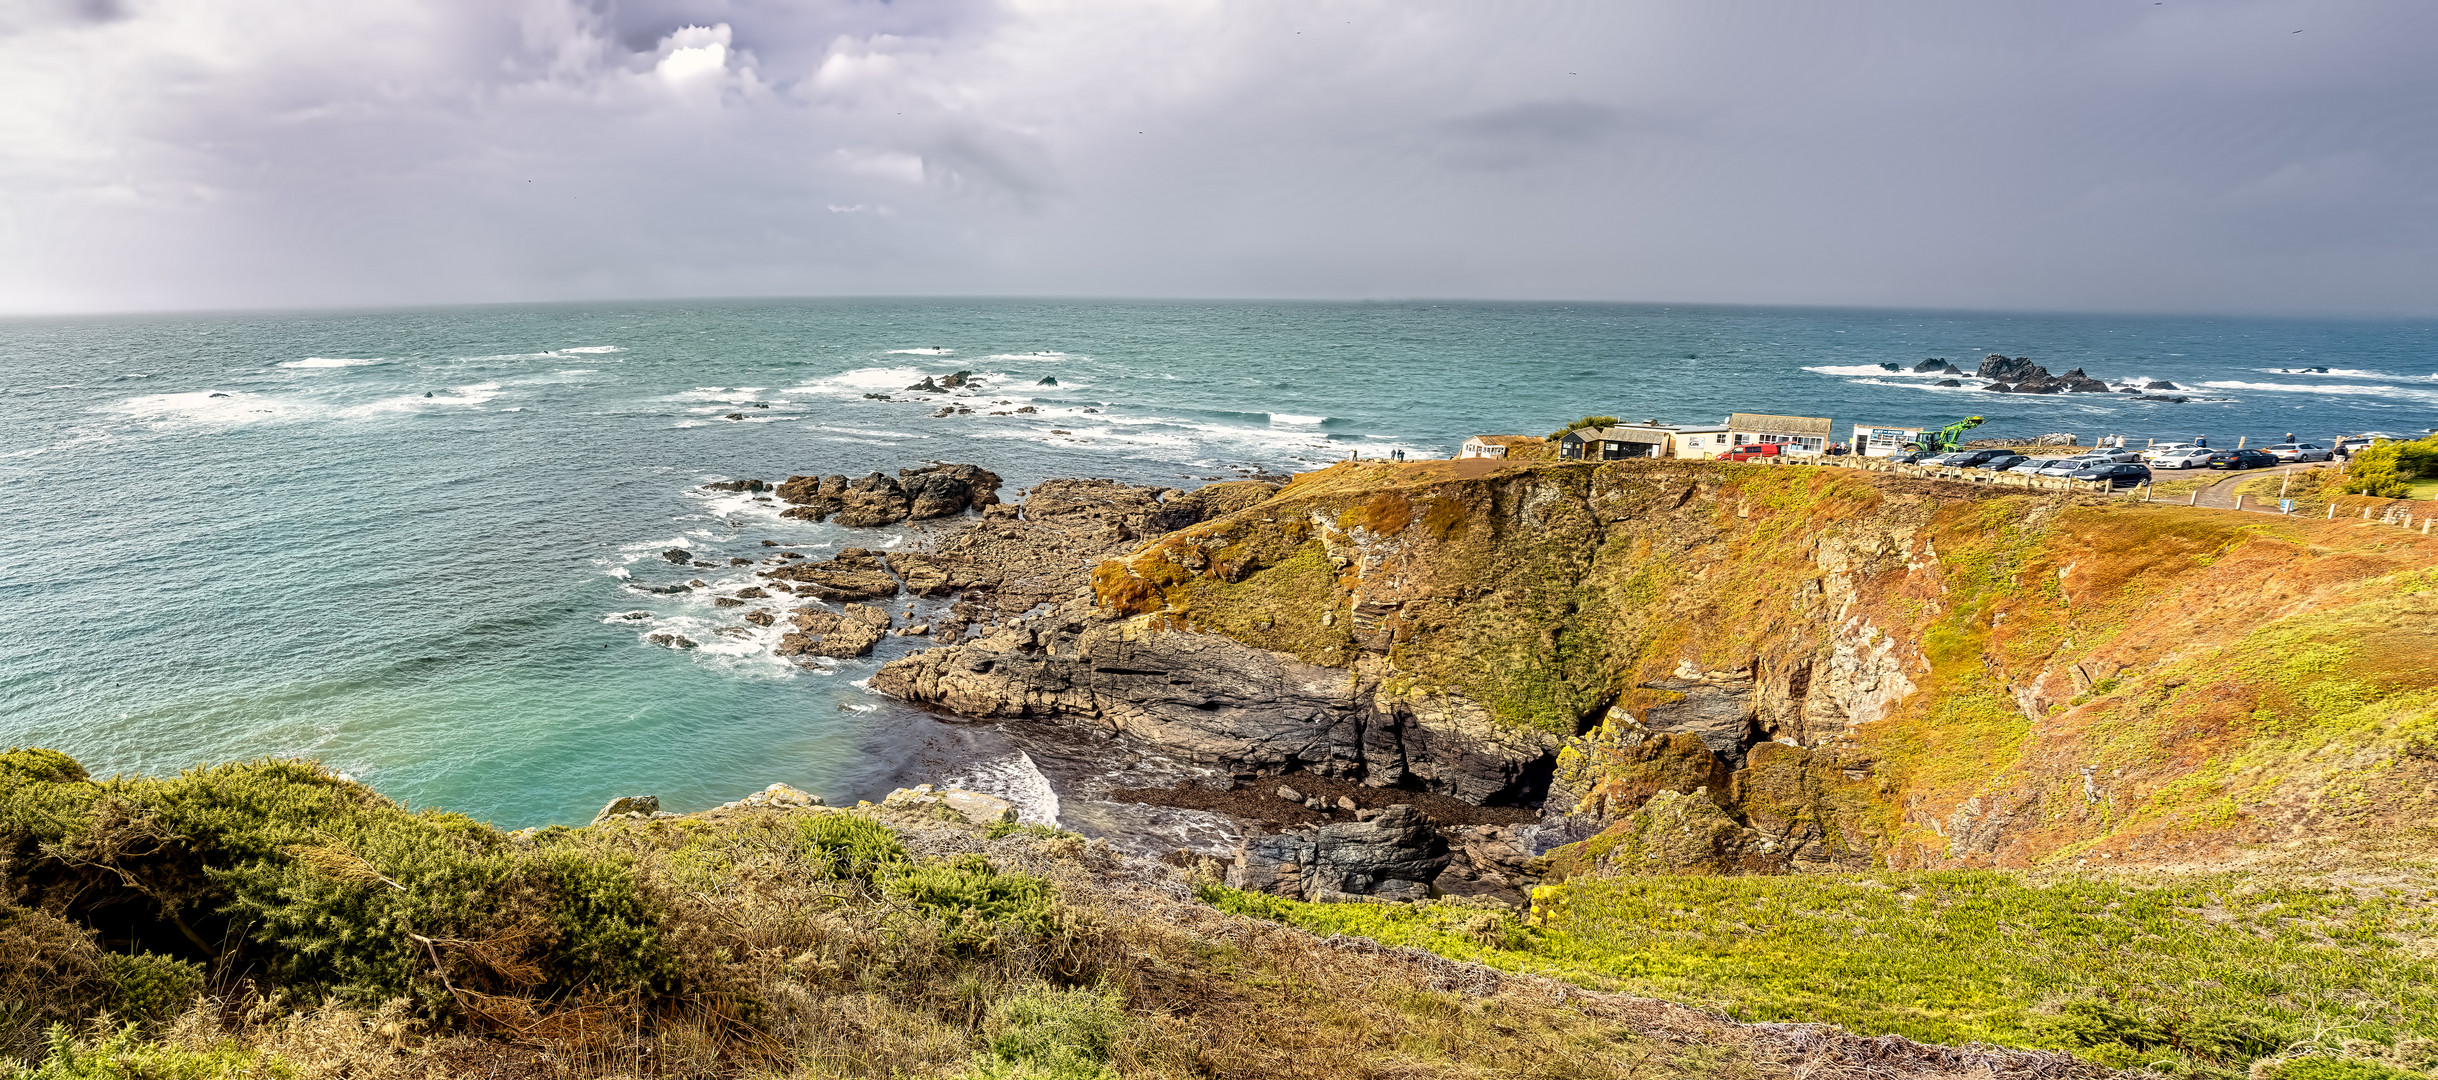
677	555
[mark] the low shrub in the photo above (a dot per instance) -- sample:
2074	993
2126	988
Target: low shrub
974	902
851	846
1044	1033
123	1055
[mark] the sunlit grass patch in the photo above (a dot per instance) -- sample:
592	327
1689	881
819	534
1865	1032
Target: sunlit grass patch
2200	976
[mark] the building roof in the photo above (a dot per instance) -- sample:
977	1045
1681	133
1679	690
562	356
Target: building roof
1637	433
1767	424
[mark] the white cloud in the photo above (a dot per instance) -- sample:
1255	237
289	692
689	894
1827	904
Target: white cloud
2062	154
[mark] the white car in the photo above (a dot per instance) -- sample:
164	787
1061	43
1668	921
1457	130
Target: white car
2156	450
2191	457
2299	452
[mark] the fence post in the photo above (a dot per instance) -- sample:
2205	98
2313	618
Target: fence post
2238	501
2332	510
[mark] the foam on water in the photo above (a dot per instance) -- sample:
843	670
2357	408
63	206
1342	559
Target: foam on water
1876	371
593	349
2336	389
1016	779
327	362
925	350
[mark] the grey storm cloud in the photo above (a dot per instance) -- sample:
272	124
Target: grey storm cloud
2232	155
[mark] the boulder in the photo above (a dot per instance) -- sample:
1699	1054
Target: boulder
1891	367
679	556
738	485
1931	365
2160	384
1395	856
728	601
1949	382
674	641
629	806
760	617
777	797
2008	369
2075	382
973	807
855	574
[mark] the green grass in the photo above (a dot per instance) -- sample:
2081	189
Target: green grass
2195	976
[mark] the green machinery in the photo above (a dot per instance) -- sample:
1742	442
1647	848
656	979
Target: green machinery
1949	438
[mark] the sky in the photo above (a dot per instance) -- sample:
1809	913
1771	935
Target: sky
2270	157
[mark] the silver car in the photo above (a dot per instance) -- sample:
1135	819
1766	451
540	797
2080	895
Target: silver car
2189	458
2299	452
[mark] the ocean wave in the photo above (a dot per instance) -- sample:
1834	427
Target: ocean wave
862	381
2338	389
327	362
1016	779
1875	370
1281	419
1045	354
926	350
212	407
593	349
2337	373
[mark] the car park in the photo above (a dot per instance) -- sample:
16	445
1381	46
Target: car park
2191	457
2001	462
2116	473
2242	459
2298	452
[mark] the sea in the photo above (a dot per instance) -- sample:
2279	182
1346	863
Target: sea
424	546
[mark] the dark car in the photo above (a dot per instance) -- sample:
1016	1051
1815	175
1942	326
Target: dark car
2243	459
2116	473
1914	457
2003	462
1964	459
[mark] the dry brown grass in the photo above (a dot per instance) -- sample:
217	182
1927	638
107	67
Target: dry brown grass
796	972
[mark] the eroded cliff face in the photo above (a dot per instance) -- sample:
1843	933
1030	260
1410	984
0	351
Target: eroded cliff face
1855	669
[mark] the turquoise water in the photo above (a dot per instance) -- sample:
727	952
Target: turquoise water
401	541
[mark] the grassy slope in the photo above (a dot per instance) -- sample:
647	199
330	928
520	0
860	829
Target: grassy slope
357	939
2197	975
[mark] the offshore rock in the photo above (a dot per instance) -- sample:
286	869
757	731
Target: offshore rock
934	491
2008	369
630	806
1393	856
1220	702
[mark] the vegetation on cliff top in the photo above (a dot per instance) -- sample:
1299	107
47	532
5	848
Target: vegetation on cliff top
270	920
2201	975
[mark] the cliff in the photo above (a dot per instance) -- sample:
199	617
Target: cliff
1854	669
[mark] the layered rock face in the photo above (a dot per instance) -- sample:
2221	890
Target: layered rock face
1394	856
1214	700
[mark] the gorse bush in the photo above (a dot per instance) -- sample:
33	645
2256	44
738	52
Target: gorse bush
847	846
123	1055
1044	1033
974	902
2382	469
341	893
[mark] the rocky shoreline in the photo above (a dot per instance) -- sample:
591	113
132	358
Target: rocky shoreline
1023	641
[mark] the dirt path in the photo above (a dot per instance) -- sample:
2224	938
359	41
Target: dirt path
2222	494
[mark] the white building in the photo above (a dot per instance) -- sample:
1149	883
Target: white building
1884	441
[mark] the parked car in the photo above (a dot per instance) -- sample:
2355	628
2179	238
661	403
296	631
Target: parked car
2113	454
1914	457
2116	473
2242	459
2065	466
2001	462
1749	451
1964	459
2191	457
2028	466
2299	452
2159	450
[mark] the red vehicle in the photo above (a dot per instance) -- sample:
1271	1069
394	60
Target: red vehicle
1749	451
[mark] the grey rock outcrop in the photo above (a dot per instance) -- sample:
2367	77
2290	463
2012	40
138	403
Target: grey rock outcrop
934	491
629	806
1217	701
1393	856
